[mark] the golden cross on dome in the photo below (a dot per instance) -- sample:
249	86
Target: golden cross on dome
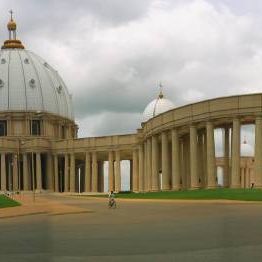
11	12
160	90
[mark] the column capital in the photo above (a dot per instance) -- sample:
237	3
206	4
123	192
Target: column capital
165	131
87	153
174	130
236	118
117	153
209	122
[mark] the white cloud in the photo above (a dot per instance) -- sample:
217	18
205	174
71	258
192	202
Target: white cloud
112	56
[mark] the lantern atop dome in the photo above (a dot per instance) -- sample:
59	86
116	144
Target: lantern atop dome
12	42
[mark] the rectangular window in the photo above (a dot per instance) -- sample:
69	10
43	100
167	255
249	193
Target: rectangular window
63	130
3	128
35	127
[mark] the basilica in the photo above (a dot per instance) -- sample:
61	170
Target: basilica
173	149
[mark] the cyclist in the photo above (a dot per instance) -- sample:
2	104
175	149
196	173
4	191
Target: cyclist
111	202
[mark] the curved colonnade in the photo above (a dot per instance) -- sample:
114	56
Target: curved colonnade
173	150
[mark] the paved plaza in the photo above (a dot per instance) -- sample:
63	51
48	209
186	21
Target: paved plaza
135	231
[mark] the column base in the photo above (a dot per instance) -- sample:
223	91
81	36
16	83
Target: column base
175	189
194	188
166	189
211	187
155	189
235	186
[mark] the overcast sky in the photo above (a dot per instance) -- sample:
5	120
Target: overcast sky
113	53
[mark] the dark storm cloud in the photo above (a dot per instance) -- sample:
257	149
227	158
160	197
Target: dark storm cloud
56	12
109	123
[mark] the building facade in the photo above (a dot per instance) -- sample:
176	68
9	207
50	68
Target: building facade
174	148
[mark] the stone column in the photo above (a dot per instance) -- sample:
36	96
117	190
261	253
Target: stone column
247	179
149	164
38	172
182	163
145	179
25	172
131	174
50	176
226	157
56	185
242	175
101	176
200	154
155	164
186	162
175	160
3	172
235	174
15	172
141	167
87	173
111	171
135	171
211	166
194	178
66	173
118	172
72	172
166	172
204	160
94	172
258	153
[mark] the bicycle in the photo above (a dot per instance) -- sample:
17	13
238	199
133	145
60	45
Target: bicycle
112	203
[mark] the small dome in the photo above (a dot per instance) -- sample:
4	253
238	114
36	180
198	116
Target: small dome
247	150
11	25
156	107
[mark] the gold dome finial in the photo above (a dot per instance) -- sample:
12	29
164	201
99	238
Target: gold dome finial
11	26
160	95
12	42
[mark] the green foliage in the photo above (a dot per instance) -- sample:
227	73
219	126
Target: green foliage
7	202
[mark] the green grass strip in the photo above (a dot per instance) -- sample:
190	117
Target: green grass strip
199	194
7	202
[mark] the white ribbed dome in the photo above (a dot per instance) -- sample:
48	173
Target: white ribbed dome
28	83
156	107
247	150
